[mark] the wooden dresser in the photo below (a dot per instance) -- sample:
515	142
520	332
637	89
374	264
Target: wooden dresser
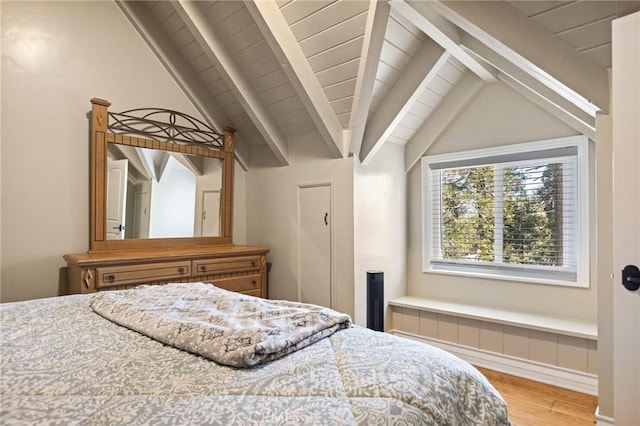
116	260
236	268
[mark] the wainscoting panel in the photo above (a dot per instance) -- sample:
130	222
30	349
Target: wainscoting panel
553	349
469	332
516	341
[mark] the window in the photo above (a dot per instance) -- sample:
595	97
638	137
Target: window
518	212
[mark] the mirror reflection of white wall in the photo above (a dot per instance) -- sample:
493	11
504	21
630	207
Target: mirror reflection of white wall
174	194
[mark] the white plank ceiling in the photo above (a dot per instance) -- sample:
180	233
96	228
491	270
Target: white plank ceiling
363	73
585	25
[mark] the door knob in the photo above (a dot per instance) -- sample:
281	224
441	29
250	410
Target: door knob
631	277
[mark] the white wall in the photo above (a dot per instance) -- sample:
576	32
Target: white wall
56	56
272	209
497	116
380	227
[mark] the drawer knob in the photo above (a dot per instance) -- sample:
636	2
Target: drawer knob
253	282
203	268
181	270
253	263
111	277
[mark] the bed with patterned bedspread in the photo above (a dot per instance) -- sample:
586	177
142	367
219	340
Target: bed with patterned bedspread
62	363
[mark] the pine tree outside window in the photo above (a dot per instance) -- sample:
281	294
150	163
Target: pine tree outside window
518	212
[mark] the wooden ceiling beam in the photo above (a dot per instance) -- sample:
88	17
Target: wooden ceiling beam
419	73
135	160
534	90
563	115
231	72
174	63
367	70
533	49
286	48
192	163
420	14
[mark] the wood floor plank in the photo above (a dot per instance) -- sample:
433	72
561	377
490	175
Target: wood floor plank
533	403
577	411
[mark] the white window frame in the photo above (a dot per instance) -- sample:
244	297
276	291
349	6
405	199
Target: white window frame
528	273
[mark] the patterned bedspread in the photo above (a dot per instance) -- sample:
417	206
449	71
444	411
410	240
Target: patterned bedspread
231	328
61	363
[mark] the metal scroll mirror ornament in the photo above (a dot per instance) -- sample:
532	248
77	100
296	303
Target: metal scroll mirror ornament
154	193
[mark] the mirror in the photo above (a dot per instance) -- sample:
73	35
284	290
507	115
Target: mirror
159	179
153	193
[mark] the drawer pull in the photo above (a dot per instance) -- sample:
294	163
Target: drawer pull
253	263
203	268
253	282
181	270
111	277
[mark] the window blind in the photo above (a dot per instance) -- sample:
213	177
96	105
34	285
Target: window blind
514	214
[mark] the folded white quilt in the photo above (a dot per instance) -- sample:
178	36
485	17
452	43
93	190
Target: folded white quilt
227	327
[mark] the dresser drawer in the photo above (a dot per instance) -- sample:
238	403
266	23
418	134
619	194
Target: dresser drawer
142	273
246	284
226	265
255	293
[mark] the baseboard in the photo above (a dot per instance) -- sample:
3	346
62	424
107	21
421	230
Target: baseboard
550	374
603	420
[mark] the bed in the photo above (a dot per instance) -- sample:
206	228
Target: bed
64	363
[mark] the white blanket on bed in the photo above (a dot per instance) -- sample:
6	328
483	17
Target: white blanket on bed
227	327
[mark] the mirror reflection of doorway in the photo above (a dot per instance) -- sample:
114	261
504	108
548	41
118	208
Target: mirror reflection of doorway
116	196
141	207
210	214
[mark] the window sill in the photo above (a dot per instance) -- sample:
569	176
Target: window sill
568	327
504	277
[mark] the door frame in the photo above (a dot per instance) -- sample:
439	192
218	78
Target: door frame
332	242
626	204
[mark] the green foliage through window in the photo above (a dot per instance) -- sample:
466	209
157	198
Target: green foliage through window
514	212
503	214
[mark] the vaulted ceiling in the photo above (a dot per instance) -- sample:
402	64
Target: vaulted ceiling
364	73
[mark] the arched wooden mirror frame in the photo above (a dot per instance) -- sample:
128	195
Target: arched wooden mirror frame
102	134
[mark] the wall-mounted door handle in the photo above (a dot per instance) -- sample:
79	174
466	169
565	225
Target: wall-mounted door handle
326	217
631	277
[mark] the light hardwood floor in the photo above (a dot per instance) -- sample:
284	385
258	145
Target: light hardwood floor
537	404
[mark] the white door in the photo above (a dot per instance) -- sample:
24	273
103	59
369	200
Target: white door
116	197
314	250
210	214
626	217
142	204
